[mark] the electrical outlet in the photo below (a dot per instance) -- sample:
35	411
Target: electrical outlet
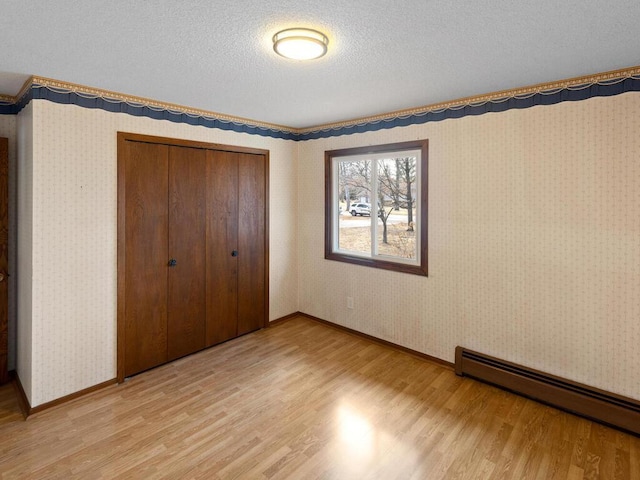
350	302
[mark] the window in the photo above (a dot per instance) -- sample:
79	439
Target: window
376	206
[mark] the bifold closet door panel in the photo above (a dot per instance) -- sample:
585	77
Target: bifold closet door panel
146	256
251	240
186	260
222	250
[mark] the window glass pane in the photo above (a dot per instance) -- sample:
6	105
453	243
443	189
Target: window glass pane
375	206
396	232
354	192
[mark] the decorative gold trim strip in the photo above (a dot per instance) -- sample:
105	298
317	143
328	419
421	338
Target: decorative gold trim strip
140	101
24	90
480	99
76	88
576	82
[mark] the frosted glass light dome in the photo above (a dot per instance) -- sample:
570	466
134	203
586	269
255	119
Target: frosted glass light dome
300	43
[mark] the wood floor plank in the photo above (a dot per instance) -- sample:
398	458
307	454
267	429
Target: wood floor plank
302	400
634	459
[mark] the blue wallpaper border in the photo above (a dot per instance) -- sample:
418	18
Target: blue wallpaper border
574	94
565	93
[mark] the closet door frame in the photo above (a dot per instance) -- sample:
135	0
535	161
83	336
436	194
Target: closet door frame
123	138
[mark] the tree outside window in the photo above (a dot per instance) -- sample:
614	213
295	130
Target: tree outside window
376	206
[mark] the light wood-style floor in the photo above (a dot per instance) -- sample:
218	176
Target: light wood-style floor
302	400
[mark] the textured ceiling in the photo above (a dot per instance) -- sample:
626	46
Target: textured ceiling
383	56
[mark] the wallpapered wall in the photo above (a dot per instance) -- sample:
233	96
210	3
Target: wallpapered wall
73	297
24	272
534	243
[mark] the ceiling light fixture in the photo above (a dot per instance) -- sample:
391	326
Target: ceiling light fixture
300	43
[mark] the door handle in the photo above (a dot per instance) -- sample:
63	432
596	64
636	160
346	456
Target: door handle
173	262
234	253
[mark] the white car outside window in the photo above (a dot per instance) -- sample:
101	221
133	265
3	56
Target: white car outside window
360	209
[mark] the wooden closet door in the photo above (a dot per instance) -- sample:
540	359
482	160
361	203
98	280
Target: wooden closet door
222	241
146	224
251	242
187	234
205	207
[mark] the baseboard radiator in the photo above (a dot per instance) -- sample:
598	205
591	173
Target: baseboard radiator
604	407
